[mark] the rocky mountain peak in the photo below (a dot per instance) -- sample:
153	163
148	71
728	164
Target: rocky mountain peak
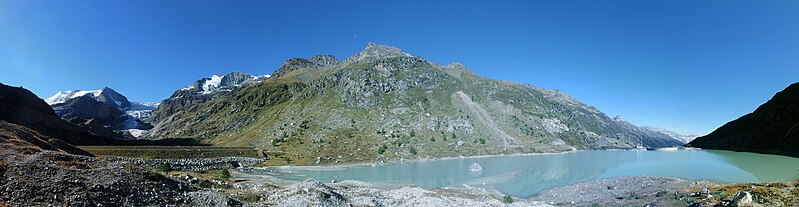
456	65
225	82
325	60
105	95
376	51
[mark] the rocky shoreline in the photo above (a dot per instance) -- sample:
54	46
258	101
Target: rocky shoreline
41	177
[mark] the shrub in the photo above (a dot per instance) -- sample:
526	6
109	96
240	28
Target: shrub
413	151
165	167
382	149
507	199
225	174
482	141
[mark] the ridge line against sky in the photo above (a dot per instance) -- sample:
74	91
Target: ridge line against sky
685	66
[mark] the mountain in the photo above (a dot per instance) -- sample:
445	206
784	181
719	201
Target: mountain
24	112
105	95
383	103
202	91
16	136
681	137
772	128
104	112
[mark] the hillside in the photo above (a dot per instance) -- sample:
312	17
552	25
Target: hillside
771	128
382	103
21	107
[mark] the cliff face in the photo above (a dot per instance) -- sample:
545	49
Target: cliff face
772	128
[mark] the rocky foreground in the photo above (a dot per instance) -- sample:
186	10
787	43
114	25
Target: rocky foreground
41	178
31	176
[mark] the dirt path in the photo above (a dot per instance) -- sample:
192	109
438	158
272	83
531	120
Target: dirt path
486	119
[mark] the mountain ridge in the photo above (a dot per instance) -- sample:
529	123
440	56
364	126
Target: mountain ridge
771	128
382	103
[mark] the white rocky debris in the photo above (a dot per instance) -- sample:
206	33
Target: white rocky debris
475	167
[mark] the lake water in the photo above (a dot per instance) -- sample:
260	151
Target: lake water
526	175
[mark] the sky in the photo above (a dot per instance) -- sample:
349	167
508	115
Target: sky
688	66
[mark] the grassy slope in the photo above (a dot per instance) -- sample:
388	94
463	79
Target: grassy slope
307	116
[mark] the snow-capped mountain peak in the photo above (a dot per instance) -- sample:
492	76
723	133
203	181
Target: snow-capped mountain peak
680	137
225	82
63	96
105	95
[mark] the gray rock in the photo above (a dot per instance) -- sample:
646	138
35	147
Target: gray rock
742	199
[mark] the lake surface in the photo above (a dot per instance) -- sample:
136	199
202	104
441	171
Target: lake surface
526	175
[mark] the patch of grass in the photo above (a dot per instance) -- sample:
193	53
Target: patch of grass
27	150
250	197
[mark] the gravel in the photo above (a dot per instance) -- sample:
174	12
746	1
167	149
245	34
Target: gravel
49	178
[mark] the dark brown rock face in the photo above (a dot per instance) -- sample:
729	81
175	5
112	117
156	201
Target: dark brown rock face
772	128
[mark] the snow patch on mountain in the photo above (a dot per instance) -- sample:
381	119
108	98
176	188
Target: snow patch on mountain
133	112
63	96
135	132
262	77
217	83
212	84
141	110
680	137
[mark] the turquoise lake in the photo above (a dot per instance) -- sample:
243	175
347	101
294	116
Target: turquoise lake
526	175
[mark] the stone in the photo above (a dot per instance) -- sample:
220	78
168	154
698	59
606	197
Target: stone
475	167
742	199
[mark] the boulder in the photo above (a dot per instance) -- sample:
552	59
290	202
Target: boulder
475	167
742	199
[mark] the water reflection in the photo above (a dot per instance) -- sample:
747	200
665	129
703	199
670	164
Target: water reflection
766	168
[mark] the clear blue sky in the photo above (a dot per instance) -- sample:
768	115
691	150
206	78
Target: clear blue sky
689	66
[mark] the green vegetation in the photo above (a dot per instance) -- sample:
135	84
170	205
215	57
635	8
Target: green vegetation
165	167
507	199
413	150
482	141
633	195
382	149
224	174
